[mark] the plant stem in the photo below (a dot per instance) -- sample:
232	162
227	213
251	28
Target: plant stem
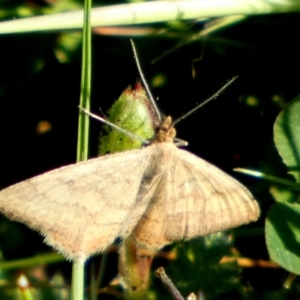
83	132
77	280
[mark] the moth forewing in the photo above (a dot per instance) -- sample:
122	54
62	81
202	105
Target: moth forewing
77	208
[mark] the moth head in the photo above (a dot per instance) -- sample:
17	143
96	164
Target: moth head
165	132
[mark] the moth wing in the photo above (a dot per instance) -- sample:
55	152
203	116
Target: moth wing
78	208
201	199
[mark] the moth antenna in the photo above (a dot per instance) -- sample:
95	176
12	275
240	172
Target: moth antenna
136	58
114	126
214	96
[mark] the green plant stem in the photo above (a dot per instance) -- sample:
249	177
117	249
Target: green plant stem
83	132
77	280
85	91
32	261
285	182
100	277
149	12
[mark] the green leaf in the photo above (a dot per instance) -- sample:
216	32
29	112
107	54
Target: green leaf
286	136
132	111
283	235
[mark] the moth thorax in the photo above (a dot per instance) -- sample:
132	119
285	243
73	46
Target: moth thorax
166	132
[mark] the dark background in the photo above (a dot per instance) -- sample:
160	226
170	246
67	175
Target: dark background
228	132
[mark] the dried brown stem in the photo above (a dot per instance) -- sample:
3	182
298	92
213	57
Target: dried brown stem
160	272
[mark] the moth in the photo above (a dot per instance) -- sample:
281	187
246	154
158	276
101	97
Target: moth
158	195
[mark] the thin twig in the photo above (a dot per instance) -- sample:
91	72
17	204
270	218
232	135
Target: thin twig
160	272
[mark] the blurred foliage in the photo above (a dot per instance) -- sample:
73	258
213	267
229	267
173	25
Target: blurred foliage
39	82
197	268
21	9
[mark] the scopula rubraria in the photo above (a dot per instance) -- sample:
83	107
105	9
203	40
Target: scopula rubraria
161	193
